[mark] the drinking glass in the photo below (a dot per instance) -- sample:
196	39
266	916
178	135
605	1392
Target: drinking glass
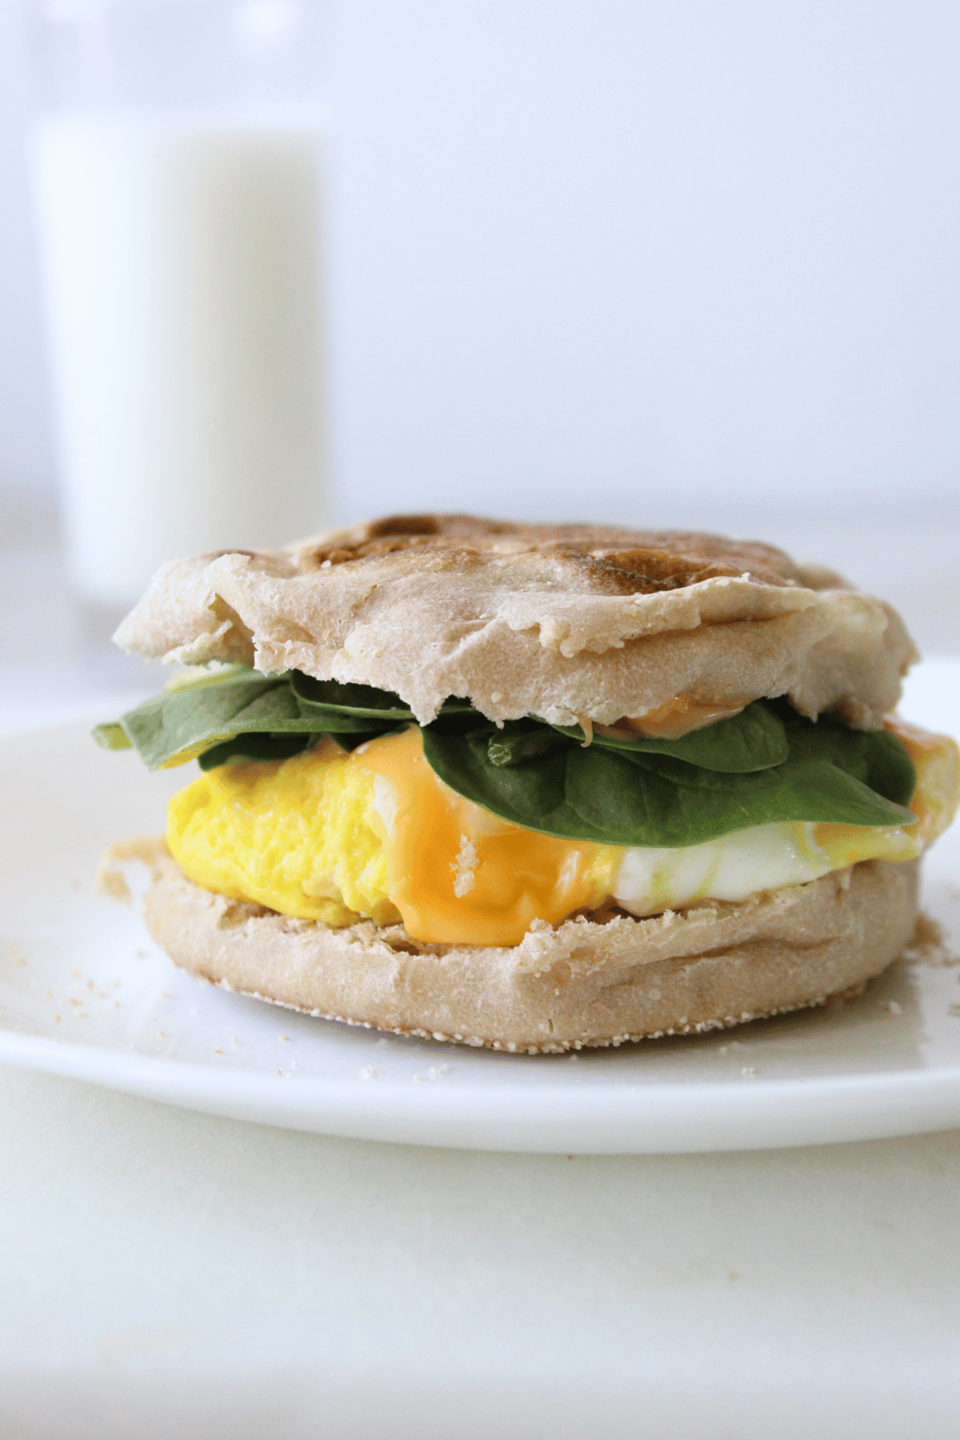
178	180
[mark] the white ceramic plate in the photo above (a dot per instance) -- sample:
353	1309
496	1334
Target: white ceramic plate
85	993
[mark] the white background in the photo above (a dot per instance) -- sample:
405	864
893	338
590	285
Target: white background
667	261
638	260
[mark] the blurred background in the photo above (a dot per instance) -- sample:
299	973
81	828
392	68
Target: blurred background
657	262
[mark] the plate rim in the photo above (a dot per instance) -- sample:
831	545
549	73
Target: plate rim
659	1117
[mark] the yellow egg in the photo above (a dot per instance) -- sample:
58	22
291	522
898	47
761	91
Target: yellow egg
336	837
295	836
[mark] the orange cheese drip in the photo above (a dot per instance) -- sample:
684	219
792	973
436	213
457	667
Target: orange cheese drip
937	763
672	719
459	875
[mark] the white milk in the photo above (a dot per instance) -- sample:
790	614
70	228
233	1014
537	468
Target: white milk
181	261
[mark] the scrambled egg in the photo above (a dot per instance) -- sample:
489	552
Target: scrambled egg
375	834
295	835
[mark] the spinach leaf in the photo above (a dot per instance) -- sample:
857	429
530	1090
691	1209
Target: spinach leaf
111	735
181	723
241	714
766	764
346	707
255	746
620	796
876	757
281	747
203	716
752	740
522	740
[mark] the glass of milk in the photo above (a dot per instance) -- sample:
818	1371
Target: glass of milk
178	185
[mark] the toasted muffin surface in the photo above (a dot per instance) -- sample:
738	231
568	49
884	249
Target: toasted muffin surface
560	621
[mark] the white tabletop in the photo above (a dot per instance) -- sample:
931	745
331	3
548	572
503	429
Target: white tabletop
170	1274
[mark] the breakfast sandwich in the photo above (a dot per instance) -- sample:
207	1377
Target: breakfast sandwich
532	787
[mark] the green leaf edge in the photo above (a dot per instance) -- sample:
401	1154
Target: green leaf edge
660	759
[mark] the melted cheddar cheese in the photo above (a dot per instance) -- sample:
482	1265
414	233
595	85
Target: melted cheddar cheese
459	874
375	834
